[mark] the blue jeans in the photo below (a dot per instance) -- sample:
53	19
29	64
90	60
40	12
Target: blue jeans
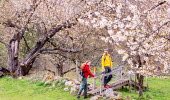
107	78
83	87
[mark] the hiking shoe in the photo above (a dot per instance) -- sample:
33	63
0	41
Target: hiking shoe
78	96
85	97
106	86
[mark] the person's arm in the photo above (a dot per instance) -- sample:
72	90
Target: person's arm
102	63
89	72
111	62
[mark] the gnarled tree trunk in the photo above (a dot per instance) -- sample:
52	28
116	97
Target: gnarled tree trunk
22	68
140	77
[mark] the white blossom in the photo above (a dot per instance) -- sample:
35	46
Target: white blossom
125	57
81	20
97	13
121	51
110	32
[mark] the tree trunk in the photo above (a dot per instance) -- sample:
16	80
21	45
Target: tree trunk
140	79
60	70
22	68
13	61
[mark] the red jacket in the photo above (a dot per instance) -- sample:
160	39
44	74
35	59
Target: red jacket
86	71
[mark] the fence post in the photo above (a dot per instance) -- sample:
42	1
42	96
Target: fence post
94	81
101	83
130	81
121	76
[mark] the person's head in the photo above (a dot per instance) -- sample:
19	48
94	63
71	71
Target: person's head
88	62
105	51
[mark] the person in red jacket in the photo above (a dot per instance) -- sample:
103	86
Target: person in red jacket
86	73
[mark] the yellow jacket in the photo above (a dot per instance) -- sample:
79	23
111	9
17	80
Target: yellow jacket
106	61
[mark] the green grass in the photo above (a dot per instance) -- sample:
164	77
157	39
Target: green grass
159	89
15	89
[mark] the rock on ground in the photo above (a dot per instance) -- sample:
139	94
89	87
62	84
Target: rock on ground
110	93
57	77
64	80
76	82
69	83
73	90
97	97
66	89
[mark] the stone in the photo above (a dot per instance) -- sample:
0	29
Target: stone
77	87
90	85
110	93
64	80
76	82
69	83
59	84
97	97
48	81
57	77
21	77
66	89
73	90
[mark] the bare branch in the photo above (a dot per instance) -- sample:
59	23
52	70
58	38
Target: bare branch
63	50
162	26
26	43
9	23
145	14
39	45
47	52
68	71
155	6
32	10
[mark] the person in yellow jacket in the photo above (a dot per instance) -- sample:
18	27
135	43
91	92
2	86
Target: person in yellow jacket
106	66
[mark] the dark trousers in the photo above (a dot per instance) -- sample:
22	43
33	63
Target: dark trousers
107	78
83	87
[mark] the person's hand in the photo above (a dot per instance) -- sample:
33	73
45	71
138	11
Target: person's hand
103	70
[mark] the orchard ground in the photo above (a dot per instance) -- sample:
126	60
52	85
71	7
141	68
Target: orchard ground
22	89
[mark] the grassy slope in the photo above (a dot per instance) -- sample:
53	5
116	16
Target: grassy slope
159	89
15	89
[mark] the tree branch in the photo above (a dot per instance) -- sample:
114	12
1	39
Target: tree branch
32	10
9	23
72	59
39	45
68	71
26	43
62	49
145	14
158	29
155	6
161	26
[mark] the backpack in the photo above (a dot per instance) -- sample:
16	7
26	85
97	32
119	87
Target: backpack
81	71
